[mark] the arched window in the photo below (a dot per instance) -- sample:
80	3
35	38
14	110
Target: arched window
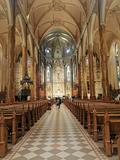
117	62
3	69
1	66
68	73
42	73
74	72
48	74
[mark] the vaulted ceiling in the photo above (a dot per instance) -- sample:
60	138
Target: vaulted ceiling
65	14
68	15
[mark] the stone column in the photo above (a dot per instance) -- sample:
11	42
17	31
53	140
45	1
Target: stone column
91	72
38	76
6	68
24	60
104	62
0	72
32	72
84	79
79	81
34	80
72	85
44	80
3	72
37	81
11	59
52	79
65	80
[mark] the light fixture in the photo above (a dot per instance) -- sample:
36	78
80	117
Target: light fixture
47	50
67	50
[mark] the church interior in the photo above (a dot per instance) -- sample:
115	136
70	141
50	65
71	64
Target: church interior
66	51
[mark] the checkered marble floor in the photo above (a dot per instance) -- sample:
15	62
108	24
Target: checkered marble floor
56	136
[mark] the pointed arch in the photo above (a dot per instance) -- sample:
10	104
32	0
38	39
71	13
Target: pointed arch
91	29
22	29
9	12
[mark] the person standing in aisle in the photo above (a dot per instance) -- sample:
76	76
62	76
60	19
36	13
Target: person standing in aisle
58	102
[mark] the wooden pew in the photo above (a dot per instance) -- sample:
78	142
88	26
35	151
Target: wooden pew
93	114
20	121
3	137
118	144
98	121
10	122
111	134
18	118
92	117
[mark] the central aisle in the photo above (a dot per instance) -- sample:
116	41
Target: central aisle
56	136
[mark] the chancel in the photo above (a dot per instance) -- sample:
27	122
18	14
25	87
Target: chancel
59	79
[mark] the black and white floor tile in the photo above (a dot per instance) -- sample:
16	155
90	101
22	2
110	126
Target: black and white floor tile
56	136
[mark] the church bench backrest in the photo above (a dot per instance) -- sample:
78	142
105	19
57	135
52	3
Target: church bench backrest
111	132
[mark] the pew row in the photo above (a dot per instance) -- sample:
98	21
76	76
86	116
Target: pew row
92	116
16	119
111	138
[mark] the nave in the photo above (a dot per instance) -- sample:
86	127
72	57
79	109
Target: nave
56	136
59	49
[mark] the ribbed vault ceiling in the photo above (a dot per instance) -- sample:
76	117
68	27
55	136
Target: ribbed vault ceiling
68	15
53	13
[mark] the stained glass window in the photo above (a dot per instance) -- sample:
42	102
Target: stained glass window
42	73
74	72
48	74
68	73
117	62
